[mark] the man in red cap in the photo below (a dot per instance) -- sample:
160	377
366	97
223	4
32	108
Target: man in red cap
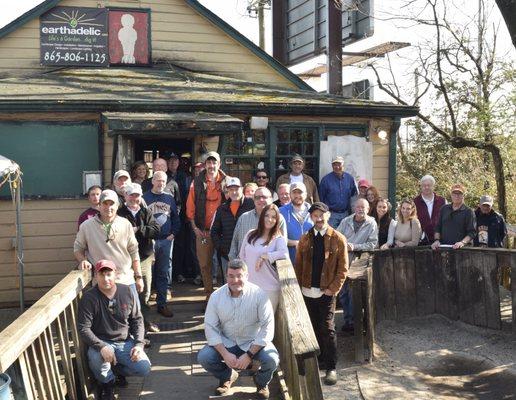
456	225
111	324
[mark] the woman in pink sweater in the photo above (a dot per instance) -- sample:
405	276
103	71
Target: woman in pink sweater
261	248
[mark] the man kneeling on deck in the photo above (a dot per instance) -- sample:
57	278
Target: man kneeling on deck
111	324
239	326
321	266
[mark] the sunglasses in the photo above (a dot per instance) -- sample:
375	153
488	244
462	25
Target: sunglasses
261	177
261	197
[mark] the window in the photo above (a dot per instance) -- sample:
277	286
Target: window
293	140
243	153
52	156
357	90
305	26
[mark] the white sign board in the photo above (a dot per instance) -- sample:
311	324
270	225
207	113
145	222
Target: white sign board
357	153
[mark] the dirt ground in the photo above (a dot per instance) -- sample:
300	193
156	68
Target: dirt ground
429	358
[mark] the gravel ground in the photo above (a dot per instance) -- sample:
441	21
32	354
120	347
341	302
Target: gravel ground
429	358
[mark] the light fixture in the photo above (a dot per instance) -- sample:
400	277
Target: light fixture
258	123
382	135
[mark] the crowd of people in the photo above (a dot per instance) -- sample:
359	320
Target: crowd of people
209	227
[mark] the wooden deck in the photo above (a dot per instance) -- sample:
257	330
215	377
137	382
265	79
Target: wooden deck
175	373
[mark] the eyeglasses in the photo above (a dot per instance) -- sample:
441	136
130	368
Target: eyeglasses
112	306
261	177
261	197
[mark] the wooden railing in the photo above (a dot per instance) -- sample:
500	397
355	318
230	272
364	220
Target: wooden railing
41	350
295	339
459	284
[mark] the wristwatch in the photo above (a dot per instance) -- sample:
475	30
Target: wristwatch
250	354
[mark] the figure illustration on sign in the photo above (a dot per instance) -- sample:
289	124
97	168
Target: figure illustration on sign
127	36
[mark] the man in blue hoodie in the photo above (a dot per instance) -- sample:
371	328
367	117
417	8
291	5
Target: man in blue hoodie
296	217
163	206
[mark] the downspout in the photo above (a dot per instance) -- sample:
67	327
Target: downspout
392	164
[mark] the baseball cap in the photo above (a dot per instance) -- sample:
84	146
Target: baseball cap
212	154
121	173
233	181
318	205
458	188
108	194
338	159
363	183
298	186
486	199
297	157
105	264
133	188
172	155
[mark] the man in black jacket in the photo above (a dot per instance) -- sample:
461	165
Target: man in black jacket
491	227
226	218
145	229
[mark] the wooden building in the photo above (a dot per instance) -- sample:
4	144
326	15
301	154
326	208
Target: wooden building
193	84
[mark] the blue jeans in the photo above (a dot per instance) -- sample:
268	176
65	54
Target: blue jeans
124	366
212	361
335	218
163	269
346	302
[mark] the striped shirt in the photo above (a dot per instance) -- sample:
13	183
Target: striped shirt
246	222
239	321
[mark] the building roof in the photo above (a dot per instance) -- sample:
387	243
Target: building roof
171	89
212	17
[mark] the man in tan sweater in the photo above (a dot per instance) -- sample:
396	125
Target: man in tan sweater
109	237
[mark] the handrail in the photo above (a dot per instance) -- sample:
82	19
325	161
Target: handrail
295	338
42	345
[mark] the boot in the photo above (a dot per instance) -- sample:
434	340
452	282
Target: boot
107	391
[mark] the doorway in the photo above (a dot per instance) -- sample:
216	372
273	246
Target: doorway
148	149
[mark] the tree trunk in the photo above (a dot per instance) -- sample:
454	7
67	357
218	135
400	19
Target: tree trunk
500	180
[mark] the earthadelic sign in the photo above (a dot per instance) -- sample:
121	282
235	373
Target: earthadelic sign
74	36
83	36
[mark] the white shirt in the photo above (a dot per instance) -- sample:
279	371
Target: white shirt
240	321
294	178
429	204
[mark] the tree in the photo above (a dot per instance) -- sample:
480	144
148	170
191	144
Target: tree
465	90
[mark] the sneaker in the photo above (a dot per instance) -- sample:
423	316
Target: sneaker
181	279
198	280
107	391
165	311
151	327
224	387
120	381
331	377
263	393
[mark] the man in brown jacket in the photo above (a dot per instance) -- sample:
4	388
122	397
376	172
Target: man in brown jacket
321	266
297	164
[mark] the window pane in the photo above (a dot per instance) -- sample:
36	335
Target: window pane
309	149
282	135
296	135
282	149
296	148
